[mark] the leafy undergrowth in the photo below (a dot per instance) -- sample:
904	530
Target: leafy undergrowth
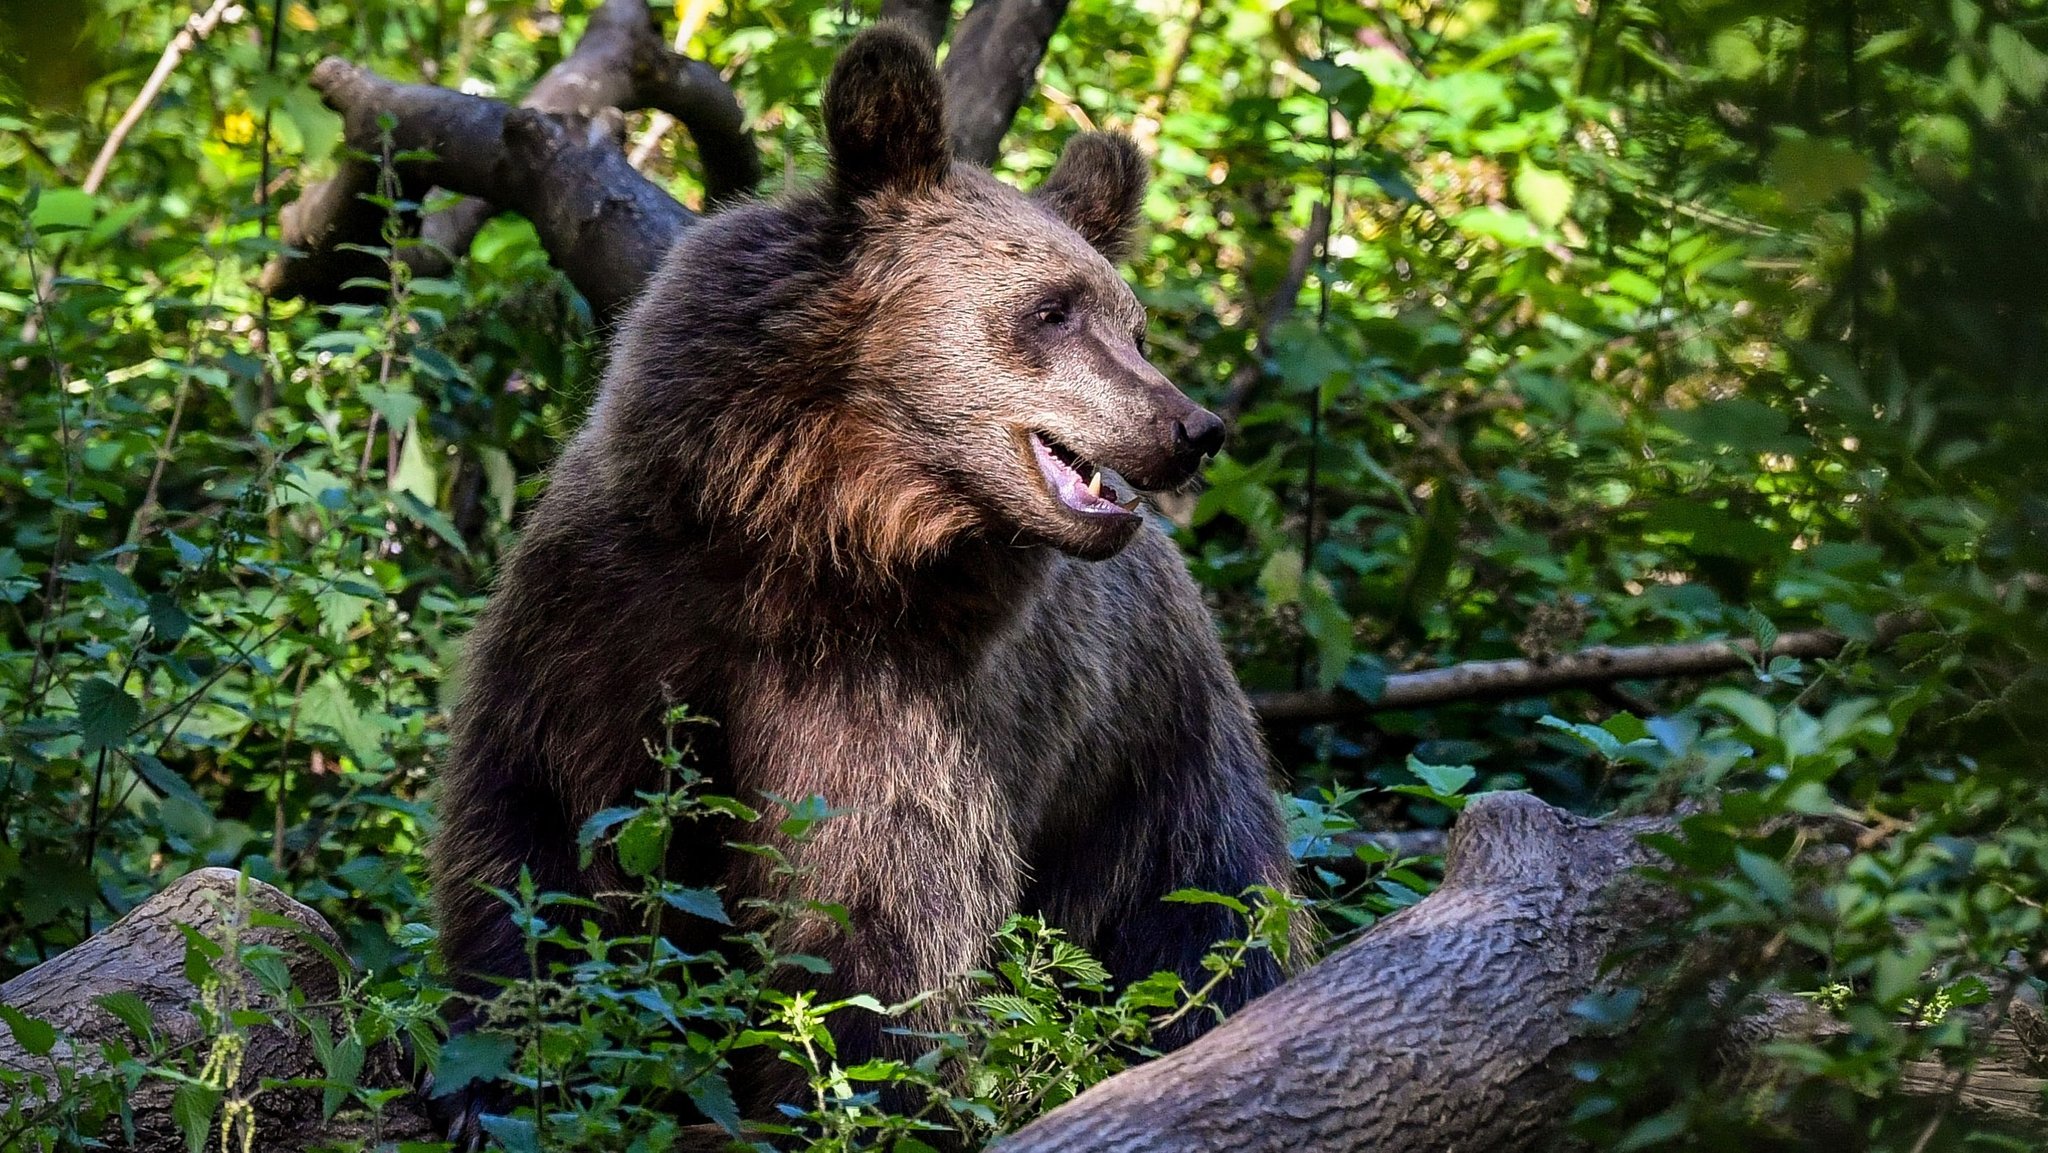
1637	324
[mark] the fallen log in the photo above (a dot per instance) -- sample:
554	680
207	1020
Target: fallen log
1447	1027
144	954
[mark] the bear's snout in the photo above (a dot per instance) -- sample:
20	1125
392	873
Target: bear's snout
1181	438
1196	437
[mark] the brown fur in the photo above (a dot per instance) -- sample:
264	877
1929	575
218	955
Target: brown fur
806	504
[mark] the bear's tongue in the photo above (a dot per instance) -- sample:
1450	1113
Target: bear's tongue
1103	493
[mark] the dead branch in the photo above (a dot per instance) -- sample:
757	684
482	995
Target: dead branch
621	62
603	224
1587	668
197	27
1439	1029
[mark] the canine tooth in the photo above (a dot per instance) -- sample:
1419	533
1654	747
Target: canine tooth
1095	485
1130	505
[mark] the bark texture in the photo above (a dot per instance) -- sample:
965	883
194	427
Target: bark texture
1445	1027
144	954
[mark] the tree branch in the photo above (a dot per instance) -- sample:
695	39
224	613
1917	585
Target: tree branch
603	224
1439	1029
1587	668
928	18
991	67
621	62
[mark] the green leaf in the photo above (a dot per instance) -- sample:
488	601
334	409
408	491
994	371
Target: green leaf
431	518
129	1008
473	1056
713	1098
1443	780
515	1134
601	822
1205	897
1754	713
2023	65
106	715
416	473
641	842
63	210
1810	171
501	479
192	1109
1545	195
1767	875
397	406
344	1065
703	903
1280	577
327	704
166	782
36	1037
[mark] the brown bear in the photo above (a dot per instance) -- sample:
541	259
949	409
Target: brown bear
861	486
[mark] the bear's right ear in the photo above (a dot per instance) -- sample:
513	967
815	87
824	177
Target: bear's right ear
885	115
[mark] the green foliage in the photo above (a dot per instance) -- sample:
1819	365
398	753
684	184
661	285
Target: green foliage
1635	324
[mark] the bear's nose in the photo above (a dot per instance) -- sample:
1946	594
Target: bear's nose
1196	435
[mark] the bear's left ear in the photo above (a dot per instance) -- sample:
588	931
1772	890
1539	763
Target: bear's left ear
885	114
1098	188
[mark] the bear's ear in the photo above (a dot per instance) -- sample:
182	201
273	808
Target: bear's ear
1098	188
885	114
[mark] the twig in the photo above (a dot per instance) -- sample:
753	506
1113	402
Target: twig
1150	118
197	27
1279	306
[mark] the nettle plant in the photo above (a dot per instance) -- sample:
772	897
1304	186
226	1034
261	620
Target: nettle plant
608	1038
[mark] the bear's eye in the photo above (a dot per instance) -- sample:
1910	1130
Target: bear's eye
1051	315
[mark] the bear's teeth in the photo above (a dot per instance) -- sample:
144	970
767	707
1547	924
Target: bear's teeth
1095	486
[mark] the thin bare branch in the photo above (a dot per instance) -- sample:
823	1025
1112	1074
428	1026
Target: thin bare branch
1279	306
197	27
1601	665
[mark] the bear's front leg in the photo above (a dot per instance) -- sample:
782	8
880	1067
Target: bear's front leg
920	855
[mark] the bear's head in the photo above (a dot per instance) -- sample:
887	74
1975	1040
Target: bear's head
997	329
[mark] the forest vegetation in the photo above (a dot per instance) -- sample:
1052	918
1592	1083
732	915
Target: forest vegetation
1708	338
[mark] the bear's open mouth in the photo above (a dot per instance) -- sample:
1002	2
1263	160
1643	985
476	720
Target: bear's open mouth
1079	484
